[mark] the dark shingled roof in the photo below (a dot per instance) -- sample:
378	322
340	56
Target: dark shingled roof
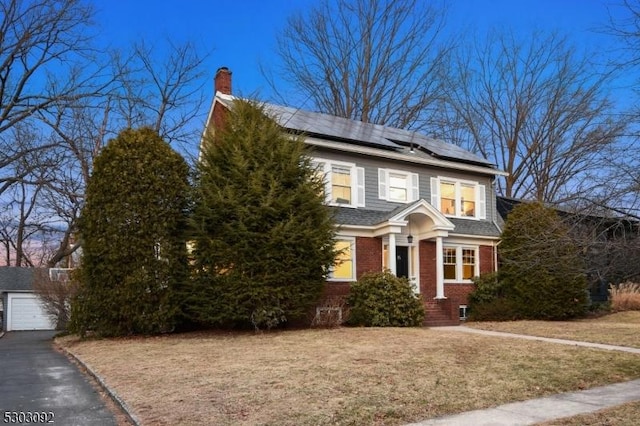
363	217
16	279
474	227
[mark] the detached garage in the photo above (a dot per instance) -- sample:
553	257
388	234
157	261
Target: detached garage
22	310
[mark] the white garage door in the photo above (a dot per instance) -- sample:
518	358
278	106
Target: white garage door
25	312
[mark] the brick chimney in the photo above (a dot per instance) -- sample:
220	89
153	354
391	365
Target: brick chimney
222	81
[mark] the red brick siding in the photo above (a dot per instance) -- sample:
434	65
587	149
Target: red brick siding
368	255
332	288
486	259
428	269
369	258
458	293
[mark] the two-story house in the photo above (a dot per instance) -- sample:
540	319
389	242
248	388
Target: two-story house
420	207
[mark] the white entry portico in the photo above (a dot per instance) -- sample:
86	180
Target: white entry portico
416	222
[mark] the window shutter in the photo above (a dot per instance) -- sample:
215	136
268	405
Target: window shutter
382	184
482	202
360	186
435	193
327	182
415	187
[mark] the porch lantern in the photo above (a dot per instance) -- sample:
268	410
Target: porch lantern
410	239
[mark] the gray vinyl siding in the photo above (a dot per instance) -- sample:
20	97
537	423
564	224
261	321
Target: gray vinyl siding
425	173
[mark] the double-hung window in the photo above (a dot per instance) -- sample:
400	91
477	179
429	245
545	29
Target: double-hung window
460	263
459	198
344	182
398	186
344	267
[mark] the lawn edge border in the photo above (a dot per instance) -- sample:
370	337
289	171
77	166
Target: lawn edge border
112	394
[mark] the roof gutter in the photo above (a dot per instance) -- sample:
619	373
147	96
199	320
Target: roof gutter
401	157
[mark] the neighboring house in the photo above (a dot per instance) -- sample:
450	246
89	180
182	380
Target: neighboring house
420	207
21	308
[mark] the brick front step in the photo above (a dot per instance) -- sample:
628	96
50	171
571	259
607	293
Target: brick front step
440	323
437	315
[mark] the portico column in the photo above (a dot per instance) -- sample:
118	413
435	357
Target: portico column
439	270
392	253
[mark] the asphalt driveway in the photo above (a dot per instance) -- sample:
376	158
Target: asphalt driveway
36	378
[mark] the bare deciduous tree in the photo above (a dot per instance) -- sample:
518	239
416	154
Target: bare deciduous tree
373	61
51	72
55	295
156	90
41	44
537	108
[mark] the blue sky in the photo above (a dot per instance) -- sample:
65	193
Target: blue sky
241	34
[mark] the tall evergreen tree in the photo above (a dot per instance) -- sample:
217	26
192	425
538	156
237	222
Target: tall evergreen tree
542	270
263	237
133	232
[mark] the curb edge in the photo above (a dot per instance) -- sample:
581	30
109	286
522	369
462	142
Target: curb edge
112	394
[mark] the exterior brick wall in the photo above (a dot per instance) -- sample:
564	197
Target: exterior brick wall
368	255
369	258
458	293
428	269
486	259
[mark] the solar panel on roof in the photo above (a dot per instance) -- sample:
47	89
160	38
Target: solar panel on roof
366	133
329	125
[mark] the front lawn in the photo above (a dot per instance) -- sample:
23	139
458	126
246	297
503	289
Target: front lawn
339	376
622	329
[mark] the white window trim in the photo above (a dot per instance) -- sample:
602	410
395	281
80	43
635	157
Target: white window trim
412	185
459	264
480	199
352	242
357	181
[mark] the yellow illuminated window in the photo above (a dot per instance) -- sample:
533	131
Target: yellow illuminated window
449	255
468	264
468	200
343	267
341	185
448	198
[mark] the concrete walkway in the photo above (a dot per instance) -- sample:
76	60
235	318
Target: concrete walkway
543	339
543	409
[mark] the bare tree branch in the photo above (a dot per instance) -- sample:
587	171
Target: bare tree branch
373	61
537	108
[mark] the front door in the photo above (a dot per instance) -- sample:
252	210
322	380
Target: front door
402	261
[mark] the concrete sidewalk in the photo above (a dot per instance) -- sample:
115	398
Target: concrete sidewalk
544	409
464	329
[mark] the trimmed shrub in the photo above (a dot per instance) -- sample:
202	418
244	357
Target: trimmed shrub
489	301
383	300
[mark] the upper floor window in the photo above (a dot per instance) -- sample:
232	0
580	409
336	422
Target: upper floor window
397	186
344	182
459	198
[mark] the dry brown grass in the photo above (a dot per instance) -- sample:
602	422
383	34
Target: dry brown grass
622	329
337	376
625	296
623	415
